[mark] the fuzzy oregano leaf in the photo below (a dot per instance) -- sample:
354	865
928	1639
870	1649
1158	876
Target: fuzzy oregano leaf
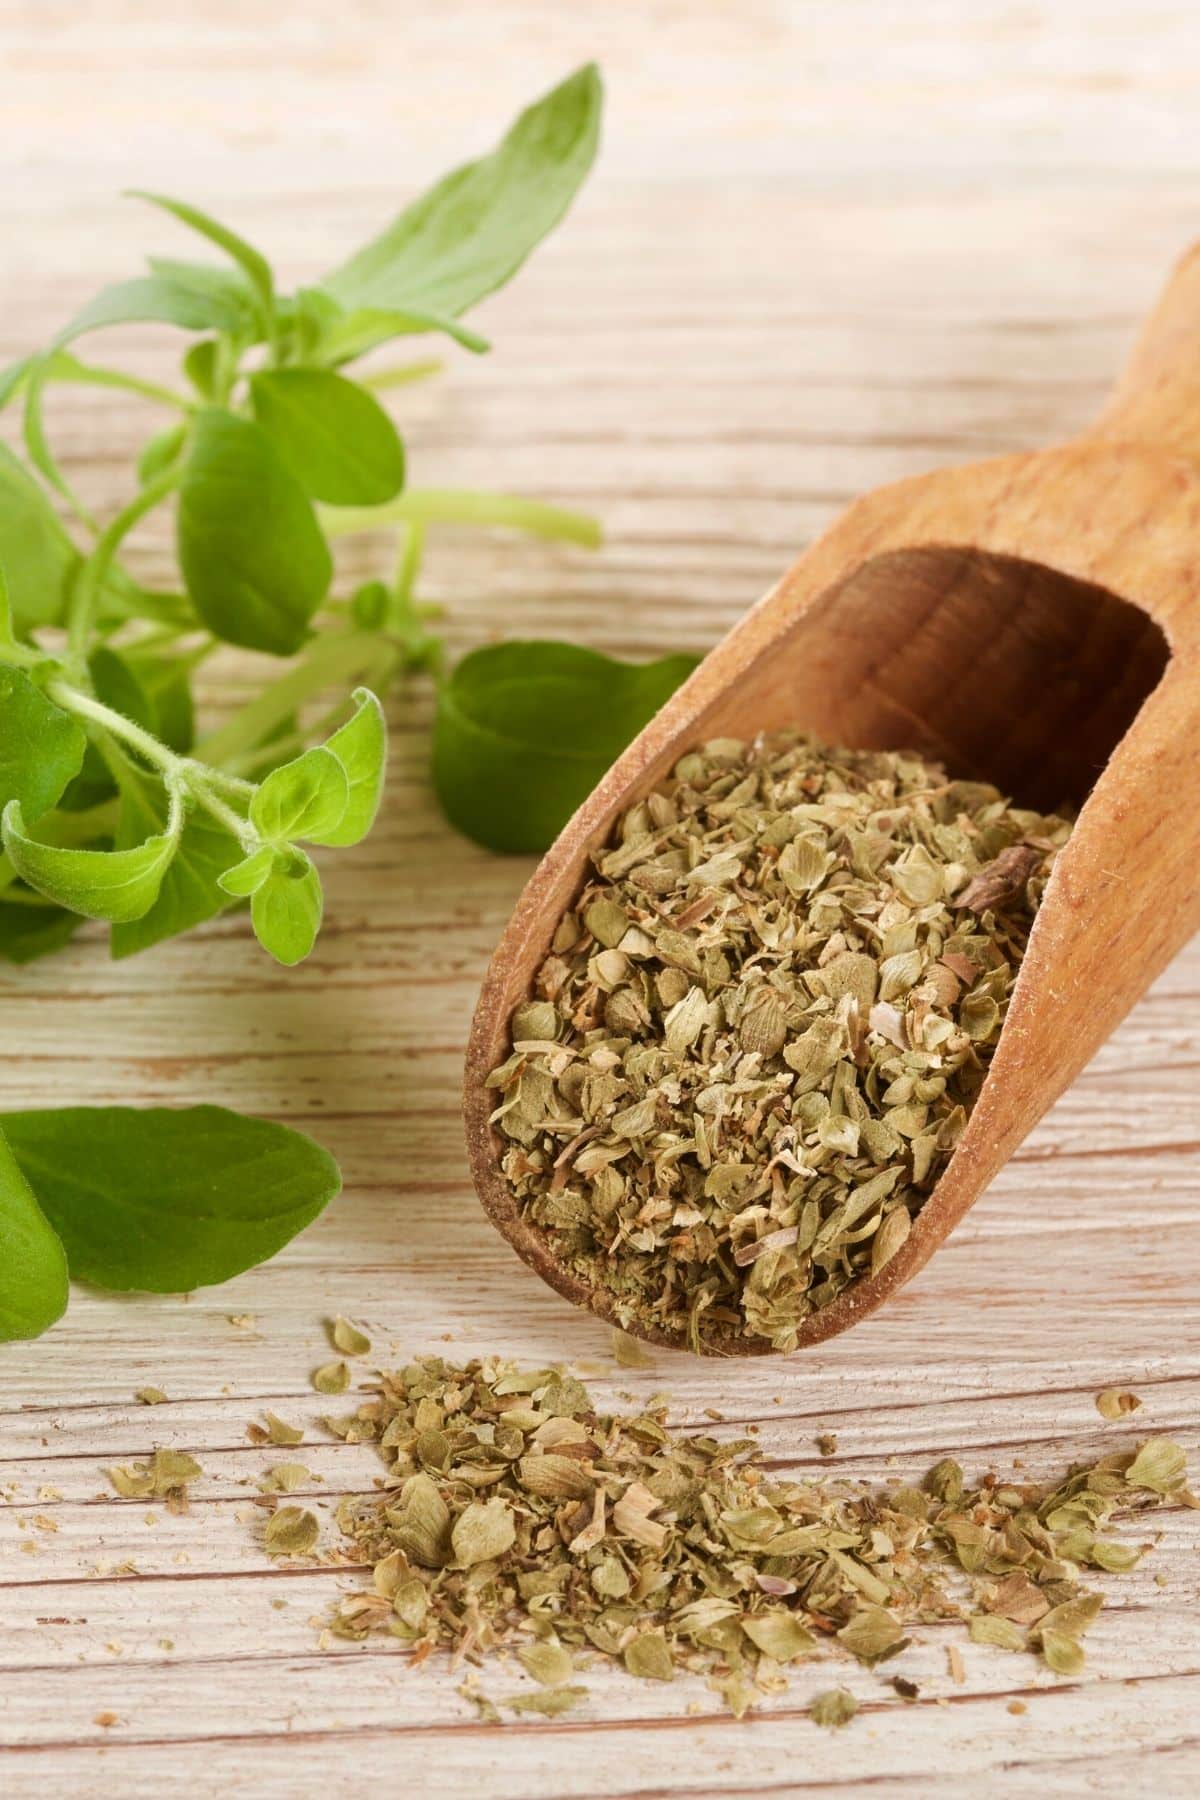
361	748
166	299
33	1266
471	232
164	1200
39	559
333	435
256	564
525	730
286	907
98	884
41	747
306	798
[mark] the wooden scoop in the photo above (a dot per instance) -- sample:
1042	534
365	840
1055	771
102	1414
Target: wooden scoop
1034	621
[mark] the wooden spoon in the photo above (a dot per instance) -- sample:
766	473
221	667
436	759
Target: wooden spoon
1032	620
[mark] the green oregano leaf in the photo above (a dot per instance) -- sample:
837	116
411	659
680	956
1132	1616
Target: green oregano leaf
168	1200
333	435
525	730
252	553
305	798
251	261
41	747
33	1266
246	877
474	229
39	559
98	884
286	908
361	748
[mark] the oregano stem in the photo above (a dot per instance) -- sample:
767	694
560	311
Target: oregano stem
180	774
463	506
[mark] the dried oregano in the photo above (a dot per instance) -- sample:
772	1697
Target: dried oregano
759	1032
514	1515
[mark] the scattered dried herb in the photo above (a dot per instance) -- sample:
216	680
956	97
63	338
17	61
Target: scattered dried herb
759	1032
291	1532
348	1338
1112	1404
834	1708
331	1378
165	1477
515	1515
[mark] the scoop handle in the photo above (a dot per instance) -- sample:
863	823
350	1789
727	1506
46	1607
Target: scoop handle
1157	399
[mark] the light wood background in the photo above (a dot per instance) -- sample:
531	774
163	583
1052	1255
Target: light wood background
825	247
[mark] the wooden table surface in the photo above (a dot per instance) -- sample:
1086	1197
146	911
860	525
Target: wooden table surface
824	248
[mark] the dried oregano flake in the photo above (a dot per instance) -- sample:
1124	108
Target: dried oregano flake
759	1033
516	1516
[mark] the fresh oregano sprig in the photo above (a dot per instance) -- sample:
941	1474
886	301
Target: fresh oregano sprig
111	807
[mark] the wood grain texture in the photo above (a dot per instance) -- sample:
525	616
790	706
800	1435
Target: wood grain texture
822	251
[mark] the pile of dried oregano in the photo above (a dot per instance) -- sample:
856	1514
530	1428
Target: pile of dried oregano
514	1515
758	1035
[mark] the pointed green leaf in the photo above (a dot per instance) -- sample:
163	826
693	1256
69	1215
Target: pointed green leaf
333	435
361	748
165	1200
525	730
98	884
163	299
245	878
254	265
472	231
252	553
39	558
286	909
41	747
33	1266
306	798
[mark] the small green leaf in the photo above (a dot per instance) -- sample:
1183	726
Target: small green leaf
525	730
98	884
252	553
41	747
245	878
6	618
253	264
39	558
333	435
190	891
33	1266
361	748
165	1200
286	909
306	798
472	231
164	299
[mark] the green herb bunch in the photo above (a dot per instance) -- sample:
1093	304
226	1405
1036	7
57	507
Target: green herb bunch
113	808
